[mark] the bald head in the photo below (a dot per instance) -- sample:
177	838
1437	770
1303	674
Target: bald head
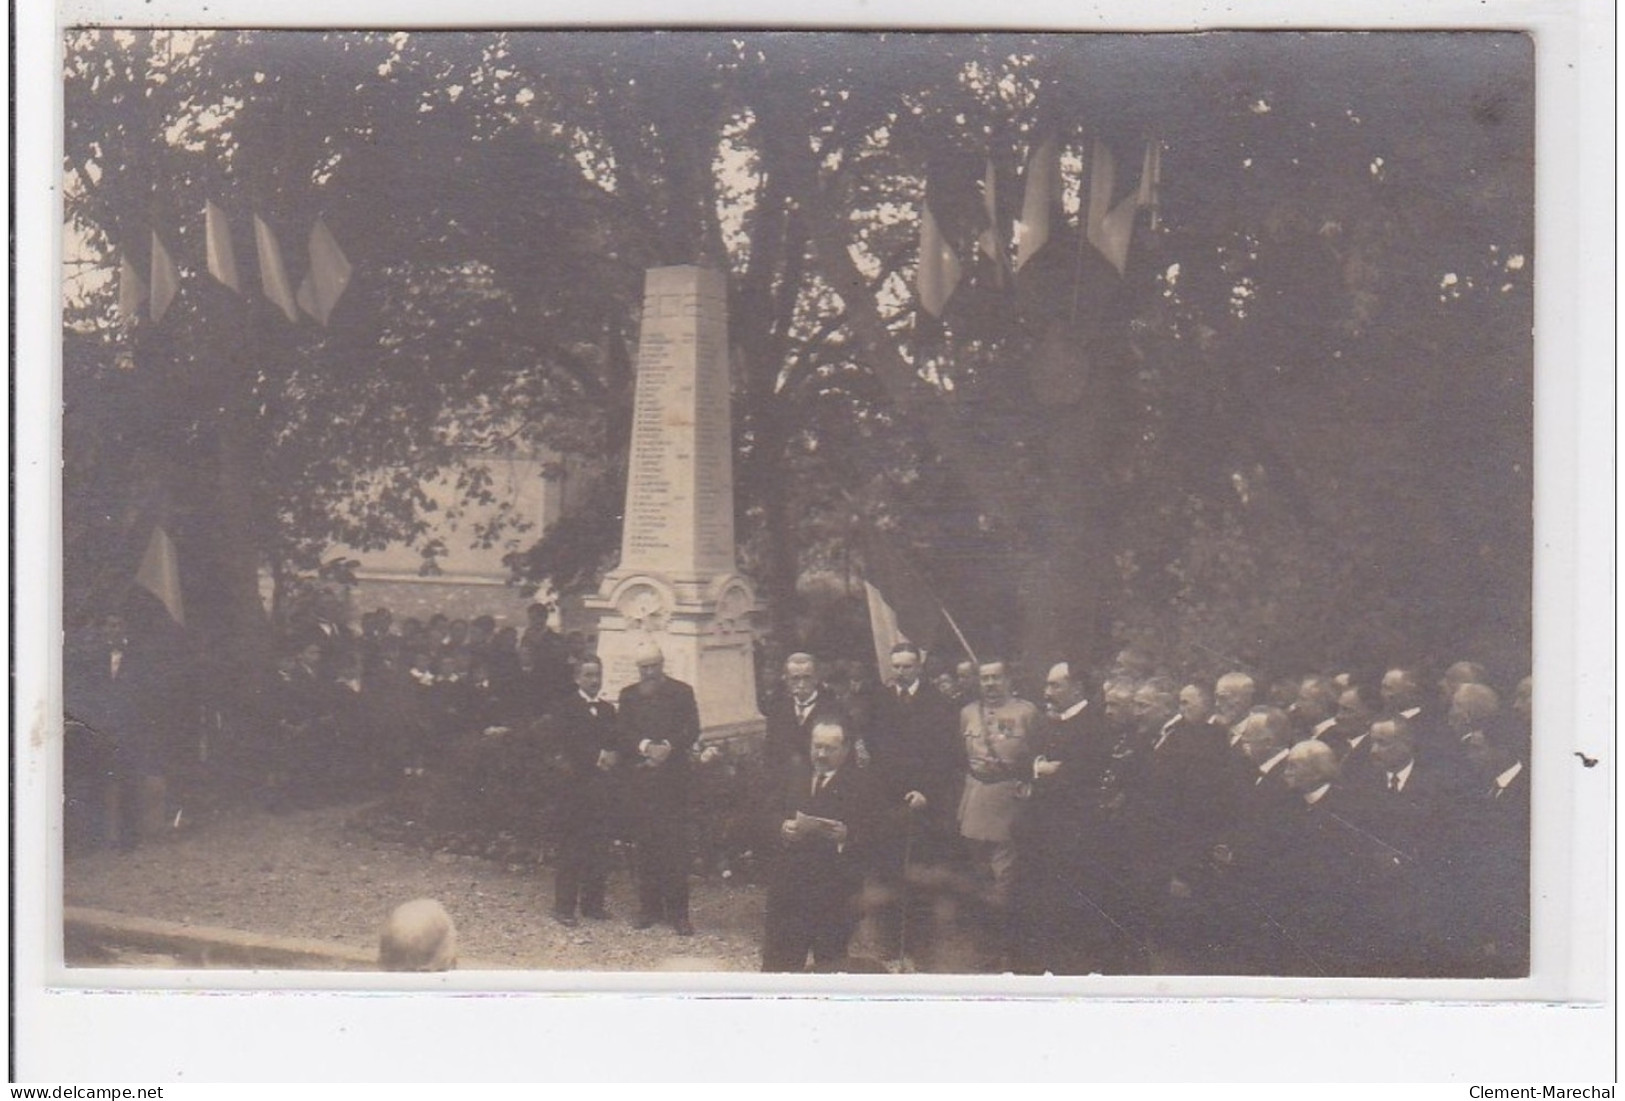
1471	706
1155	702
1233	697
1264	733
1463	672
1310	764
418	936
1316	700
1401	690
1391	744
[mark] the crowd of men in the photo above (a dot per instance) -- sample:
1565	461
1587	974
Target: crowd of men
1319	826
1127	824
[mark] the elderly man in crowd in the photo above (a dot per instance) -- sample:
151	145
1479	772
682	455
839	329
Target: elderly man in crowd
660	724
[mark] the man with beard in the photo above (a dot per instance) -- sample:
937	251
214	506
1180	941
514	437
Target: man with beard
660	723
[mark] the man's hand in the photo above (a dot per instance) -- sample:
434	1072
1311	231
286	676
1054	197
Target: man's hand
838	834
607	759
788	830
657	752
915	800
1043	766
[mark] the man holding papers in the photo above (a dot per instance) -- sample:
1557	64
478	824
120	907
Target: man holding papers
824	810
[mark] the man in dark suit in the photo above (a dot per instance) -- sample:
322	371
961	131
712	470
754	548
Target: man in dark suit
791	716
1314	710
108	742
589	740
660	723
913	740
1178	810
1495	855
1063	890
825	812
1412	806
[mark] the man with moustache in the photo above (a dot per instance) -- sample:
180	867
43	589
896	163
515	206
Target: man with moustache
825	818
590	740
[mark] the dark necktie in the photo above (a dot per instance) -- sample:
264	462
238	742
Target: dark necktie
1393	781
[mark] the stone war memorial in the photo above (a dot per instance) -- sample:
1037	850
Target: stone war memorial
677	583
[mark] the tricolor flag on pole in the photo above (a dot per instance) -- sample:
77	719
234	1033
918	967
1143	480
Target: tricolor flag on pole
329	274
160	574
939	269
1038	201
222	257
902	607
273	276
166	280
132	290
1116	227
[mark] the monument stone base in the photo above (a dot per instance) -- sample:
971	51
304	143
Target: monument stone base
702	626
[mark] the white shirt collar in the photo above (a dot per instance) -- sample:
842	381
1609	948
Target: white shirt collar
1509	775
1411	712
1074	710
1322	726
1313	797
1404	774
1280	756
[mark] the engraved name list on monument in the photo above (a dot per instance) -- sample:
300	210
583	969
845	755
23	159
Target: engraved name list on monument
679	501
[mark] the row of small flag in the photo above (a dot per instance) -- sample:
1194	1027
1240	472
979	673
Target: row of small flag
318	292
1107	225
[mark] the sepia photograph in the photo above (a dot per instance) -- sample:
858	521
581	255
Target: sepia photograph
908	509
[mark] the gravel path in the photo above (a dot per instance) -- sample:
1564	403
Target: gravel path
315	874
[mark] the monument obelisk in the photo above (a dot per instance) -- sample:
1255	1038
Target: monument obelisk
677	582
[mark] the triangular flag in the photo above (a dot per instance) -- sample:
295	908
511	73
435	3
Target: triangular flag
305	296
328	276
1043	178
132	290
222	257
939	269
902	606
883	626
160	574
166	280
1115	230
1151	178
273	276
1102	181
989	239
